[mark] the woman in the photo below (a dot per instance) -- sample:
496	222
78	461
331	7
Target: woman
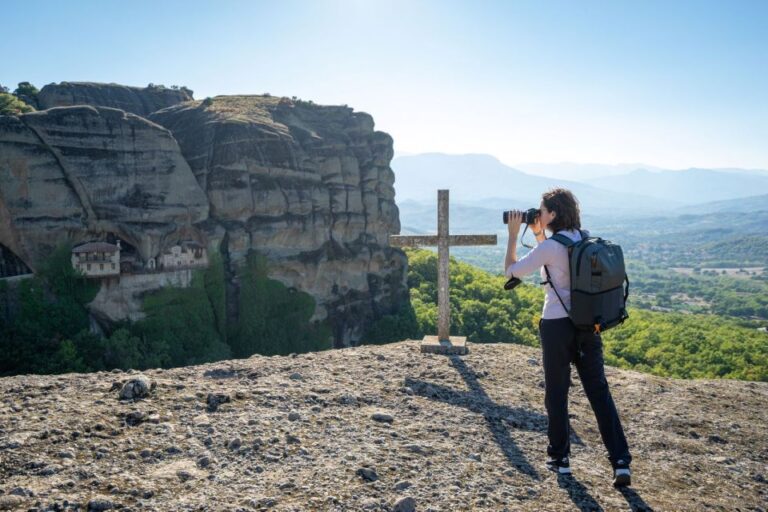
561	343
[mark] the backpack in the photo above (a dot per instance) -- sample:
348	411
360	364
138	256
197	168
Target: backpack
598	296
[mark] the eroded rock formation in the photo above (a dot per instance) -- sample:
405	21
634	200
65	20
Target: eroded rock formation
308	186
136	100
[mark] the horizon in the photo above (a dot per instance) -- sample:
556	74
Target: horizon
635	166
681	85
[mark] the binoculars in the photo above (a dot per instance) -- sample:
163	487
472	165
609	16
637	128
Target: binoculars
529	216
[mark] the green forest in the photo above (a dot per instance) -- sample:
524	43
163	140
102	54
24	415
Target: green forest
661	343
183	326
50	332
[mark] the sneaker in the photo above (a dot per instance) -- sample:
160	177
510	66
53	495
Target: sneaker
559	465
621	474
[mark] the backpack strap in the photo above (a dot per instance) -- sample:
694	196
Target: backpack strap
564	240
552	285
568	243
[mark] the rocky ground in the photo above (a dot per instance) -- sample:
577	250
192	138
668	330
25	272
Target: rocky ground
371	428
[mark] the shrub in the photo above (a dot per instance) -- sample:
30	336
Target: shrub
10	105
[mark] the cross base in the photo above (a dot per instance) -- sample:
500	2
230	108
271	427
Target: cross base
455	345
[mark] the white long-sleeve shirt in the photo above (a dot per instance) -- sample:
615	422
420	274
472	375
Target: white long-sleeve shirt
554	255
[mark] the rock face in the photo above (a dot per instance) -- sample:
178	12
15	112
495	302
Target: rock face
467	433
310	187
74	173
136	100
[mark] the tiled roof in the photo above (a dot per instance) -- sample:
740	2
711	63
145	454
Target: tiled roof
95	247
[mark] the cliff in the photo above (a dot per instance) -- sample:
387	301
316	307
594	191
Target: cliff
308	186
74	173
372	428
141	101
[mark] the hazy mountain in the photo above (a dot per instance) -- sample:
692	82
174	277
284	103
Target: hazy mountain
740	205
690	186
581	172
483	180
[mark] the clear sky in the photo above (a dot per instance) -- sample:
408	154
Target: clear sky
672	83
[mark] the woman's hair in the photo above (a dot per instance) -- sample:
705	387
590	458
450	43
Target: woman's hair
564	204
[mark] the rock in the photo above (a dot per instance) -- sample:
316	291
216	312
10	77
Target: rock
311	188
184	475
135	418
10	502
291	439
262	502
78	192
220	373
407	504
417	448
296	376
716	439
367	474
97	505
347	399
22	491
203	462
136	388
402	485
50	470
234	444
214	400
294	416
382	417
137	100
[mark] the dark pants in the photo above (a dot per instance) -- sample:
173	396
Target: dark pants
560	343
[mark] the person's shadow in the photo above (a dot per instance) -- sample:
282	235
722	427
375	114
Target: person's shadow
578	494
636	503
499	418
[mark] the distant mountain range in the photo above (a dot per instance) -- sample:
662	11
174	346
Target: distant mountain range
691	186
483	181
581	172
740	205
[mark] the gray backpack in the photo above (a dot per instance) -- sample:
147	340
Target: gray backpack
598	296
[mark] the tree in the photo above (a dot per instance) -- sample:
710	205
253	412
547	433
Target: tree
27	93
10	105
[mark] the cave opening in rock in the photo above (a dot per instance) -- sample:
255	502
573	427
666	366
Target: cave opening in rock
10	264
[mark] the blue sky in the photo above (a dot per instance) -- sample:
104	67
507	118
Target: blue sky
670	83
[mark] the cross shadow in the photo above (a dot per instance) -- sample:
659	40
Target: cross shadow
498	417
636	503
578	493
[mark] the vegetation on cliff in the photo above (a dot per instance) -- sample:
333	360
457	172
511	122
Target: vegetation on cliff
183	326
10	105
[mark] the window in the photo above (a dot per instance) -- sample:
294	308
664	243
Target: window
89	266
113	266
101	266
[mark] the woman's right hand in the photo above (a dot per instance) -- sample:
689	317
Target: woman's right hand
513	222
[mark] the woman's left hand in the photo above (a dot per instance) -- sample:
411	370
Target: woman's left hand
514	221
536	226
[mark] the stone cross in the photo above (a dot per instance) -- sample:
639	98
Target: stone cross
443	343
